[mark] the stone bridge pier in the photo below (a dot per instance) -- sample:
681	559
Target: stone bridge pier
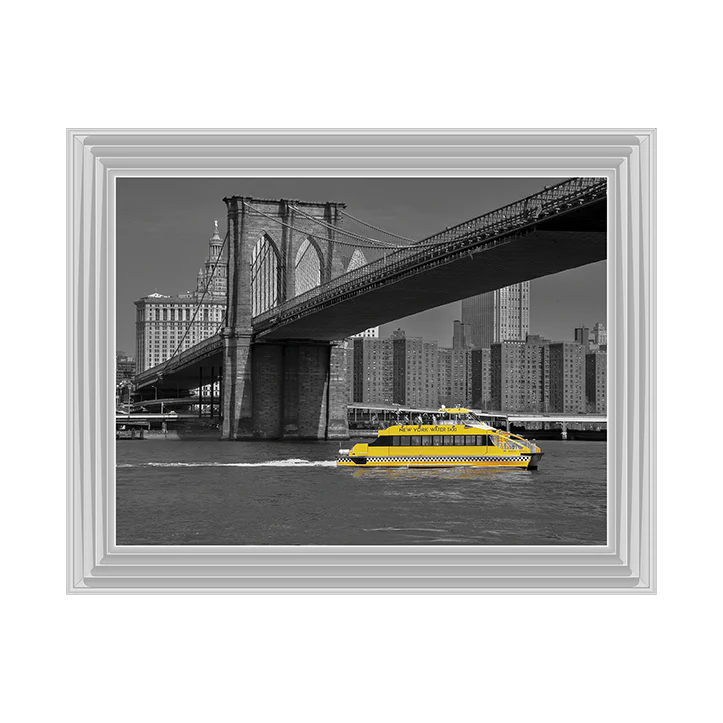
284	390
290	389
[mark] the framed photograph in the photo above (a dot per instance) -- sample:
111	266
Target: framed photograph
361	361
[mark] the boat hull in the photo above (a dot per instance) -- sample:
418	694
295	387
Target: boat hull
524	461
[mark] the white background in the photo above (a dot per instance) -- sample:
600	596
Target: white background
358	658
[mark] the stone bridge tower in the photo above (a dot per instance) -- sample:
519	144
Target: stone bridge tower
293	389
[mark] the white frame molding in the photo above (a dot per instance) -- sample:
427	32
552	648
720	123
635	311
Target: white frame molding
97	565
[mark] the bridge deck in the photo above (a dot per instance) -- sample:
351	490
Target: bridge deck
182	371
508	261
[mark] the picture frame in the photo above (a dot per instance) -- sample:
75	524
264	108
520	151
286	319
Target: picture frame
97	157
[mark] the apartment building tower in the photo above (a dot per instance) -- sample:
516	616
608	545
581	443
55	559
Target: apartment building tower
596	382
454	377
518	376
567	377
415	364
480	382
372	370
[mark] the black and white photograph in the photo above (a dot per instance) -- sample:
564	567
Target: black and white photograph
361	361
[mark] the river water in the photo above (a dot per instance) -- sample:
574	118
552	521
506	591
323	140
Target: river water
276	493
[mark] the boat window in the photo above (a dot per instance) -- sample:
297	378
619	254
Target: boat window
396	441
415	440
427	441
380	442
459	440
437	440
448	440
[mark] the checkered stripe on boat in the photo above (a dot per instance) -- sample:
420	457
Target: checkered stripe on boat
438	459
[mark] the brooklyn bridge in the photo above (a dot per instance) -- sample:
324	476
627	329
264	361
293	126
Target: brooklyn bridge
299	284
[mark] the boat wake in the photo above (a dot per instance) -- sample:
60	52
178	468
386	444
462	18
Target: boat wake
270	463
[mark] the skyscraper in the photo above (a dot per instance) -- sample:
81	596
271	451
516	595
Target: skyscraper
599	334
582	336
499	315
167	324
462	336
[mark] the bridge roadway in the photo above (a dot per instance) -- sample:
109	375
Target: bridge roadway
494	251
181	373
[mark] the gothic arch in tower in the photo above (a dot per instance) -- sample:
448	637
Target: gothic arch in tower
307	266
265	275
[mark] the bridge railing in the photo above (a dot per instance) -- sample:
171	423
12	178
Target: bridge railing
515	216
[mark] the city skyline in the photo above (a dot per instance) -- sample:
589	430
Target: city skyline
450	345
534	374
163	228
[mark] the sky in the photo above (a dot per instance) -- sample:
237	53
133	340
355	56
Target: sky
163	227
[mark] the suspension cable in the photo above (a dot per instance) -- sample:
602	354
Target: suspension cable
388	233
378	245
368	241
340	230
198	303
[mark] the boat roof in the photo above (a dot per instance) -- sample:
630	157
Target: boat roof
460	428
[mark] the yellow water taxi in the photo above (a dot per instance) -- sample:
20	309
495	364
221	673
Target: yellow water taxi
456	438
